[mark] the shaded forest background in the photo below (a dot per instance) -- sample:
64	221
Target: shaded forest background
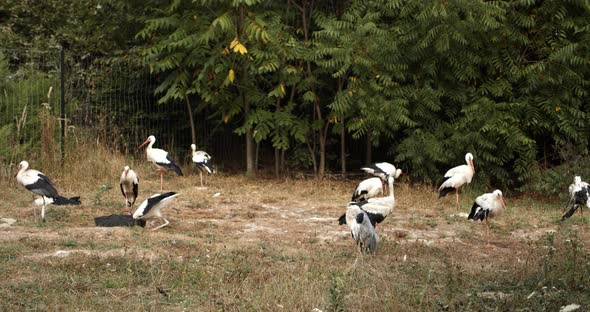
326	86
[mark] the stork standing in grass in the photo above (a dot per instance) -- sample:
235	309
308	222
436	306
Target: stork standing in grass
377	208
39	184
151	208
203	162
489	205
579	196
160	158
363	232
457	177
129	183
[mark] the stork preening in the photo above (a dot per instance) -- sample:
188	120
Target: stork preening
377	208
160	158
203	162
363	232
579	196
382	170
367	189
457	177
151	208
39	184
489	205
129	183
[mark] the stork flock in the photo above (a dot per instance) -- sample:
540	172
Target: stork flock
40	185
366	210
369	206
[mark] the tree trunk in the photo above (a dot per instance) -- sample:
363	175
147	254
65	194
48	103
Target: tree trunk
250	170
277	163
343	148
369	150
191	120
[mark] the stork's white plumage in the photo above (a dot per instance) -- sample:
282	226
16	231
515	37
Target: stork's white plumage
203	161
486	206
151	208
39	184
367	189
457	177
383	170
160	158
361	229
129	183
377	208
579	196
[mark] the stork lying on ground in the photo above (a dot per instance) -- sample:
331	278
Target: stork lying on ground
39	184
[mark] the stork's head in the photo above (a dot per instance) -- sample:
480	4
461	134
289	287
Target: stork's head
500	198
193	147
577	180
24	165
126	170
151	139
398	173
469	161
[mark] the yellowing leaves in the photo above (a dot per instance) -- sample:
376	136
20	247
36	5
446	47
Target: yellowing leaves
237	47
282	88
231	75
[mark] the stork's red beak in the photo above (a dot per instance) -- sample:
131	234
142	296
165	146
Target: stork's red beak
142	145
472	166
502	203
126	172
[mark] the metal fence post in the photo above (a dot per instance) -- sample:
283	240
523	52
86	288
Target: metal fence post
63	103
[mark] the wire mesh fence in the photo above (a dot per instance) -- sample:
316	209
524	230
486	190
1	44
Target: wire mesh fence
110	101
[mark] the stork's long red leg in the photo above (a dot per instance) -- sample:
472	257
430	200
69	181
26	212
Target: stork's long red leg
487	231
457	198
161	180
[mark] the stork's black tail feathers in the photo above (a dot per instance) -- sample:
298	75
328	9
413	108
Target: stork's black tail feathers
570	212
342	219
176	169
60	200
445	191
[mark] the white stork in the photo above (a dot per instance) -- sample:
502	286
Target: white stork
203	161
363	232
129	183
457	177
160	158
383	170
368	188
39	184
489	205
377	208
152	208
579	196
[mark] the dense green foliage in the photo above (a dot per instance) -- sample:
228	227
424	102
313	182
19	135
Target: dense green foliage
429	80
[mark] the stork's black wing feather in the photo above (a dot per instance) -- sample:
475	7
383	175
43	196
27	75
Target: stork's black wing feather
152	201
43	186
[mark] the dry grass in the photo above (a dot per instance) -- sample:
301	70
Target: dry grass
275	245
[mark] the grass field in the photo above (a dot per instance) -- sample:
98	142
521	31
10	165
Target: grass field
275	245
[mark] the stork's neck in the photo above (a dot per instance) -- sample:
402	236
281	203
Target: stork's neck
391	189
151	144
